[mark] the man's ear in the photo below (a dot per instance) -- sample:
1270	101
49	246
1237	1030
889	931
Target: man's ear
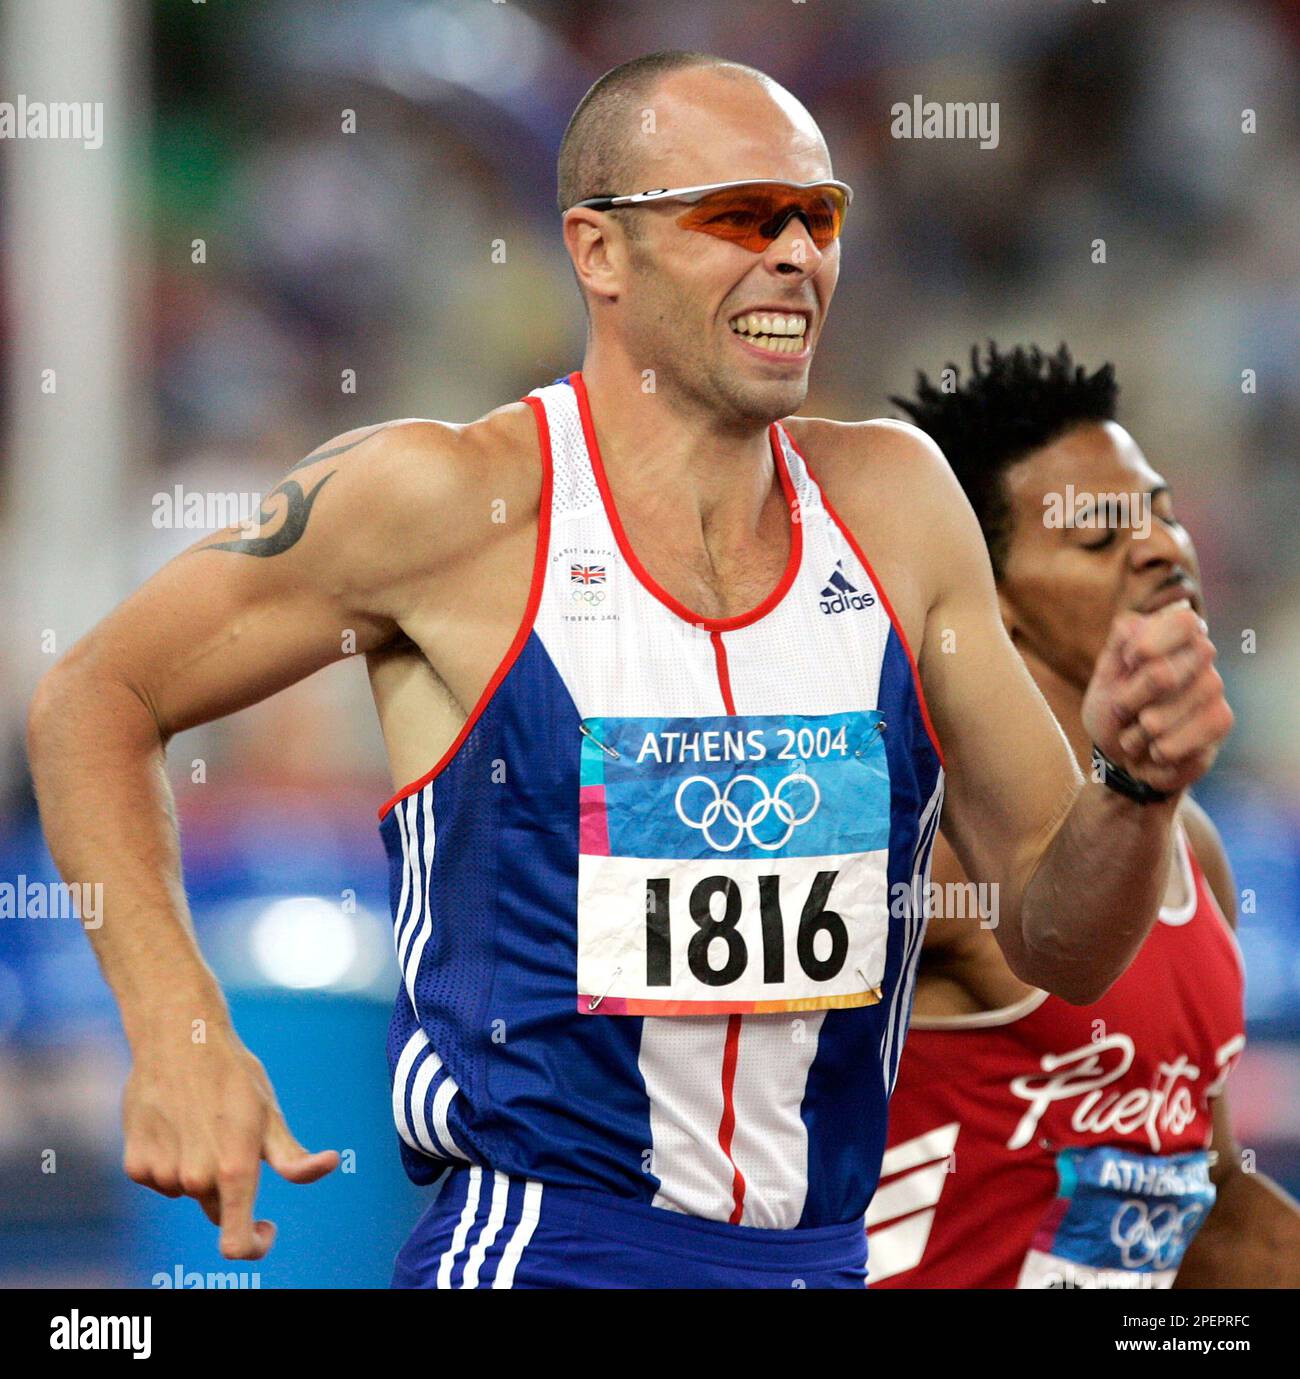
597	249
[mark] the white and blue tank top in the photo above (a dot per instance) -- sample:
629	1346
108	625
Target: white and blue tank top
658	908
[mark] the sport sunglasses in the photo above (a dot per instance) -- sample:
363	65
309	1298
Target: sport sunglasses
751	213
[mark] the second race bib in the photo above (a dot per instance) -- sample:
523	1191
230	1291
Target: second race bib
1120	1219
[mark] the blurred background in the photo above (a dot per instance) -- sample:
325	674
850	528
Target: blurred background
242	270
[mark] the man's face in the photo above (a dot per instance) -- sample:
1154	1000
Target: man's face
683	289
1064	584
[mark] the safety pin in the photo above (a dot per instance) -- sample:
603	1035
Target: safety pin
866	981
591	1005
586	732
880	727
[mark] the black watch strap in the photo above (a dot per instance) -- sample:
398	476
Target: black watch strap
1119	780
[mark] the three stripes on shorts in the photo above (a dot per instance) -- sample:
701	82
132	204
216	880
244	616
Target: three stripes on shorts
495	1225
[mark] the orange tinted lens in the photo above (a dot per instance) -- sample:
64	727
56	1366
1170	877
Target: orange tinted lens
754	216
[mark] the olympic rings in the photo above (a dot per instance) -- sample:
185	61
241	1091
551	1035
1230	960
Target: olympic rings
1157	1237
768	802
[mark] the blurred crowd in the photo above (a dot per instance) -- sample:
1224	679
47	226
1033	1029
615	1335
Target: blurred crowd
374	251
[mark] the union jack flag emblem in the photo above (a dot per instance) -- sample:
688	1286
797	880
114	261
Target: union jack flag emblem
586	574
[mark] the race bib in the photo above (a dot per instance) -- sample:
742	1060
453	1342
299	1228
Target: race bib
732	865
1120	1220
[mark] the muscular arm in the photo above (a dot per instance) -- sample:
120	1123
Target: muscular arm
234	619
1079	869
962	969
1251	1238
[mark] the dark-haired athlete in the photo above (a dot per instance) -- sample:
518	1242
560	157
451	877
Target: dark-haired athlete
652	876
1033	1143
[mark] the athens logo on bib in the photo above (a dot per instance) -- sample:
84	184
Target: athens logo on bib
732	864
1119	1219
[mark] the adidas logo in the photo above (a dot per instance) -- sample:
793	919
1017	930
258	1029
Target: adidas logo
840	595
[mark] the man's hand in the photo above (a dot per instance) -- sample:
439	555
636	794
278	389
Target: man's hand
199	1120
1155	704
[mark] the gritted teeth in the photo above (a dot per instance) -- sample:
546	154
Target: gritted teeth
777	344
771	324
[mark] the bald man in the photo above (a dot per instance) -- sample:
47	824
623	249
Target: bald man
673	753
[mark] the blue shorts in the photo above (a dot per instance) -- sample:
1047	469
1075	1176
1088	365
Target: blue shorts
487	1230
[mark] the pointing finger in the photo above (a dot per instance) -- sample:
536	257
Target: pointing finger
237	1190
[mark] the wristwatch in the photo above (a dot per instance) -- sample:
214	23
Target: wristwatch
1118	779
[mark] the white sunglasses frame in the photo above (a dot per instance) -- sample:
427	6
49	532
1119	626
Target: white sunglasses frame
692	194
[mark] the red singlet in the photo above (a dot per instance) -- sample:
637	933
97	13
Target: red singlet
1051	1145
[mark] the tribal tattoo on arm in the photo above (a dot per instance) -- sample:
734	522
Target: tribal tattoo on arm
297	509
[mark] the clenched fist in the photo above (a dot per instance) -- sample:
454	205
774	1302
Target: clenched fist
1155	703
